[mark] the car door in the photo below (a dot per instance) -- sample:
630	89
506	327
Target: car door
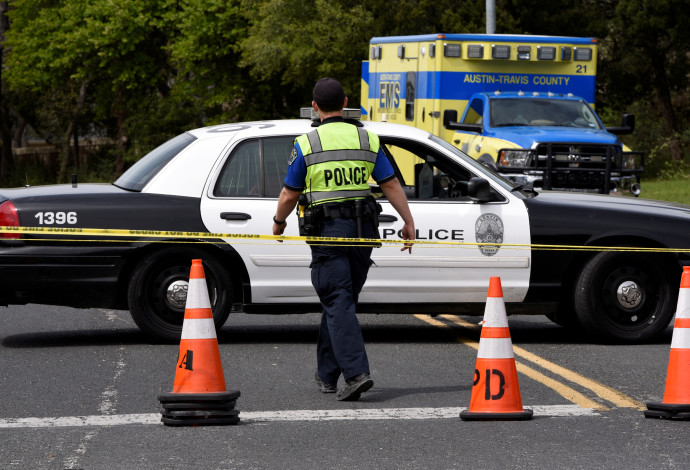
242	200
450	262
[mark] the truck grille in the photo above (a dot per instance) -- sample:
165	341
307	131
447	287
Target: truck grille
575	165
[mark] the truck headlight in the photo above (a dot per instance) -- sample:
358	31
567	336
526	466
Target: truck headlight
515	158
628	161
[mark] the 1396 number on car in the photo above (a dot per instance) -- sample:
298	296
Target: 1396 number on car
56	218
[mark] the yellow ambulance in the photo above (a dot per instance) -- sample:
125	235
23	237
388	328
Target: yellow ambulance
522	104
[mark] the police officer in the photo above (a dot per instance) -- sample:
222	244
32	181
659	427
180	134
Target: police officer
332	165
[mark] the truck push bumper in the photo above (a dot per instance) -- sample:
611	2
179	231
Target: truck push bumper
573	167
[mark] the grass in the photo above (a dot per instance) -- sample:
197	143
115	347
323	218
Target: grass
675	190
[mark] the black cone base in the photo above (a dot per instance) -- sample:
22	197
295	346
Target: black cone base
516	416
199	409
668	411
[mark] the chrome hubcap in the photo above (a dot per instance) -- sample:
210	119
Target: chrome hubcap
177	294
629	295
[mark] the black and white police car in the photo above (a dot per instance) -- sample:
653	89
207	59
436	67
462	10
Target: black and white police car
226	180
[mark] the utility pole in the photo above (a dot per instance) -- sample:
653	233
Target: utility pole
490	16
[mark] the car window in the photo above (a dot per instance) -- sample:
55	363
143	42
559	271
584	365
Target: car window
276	155
480	168
425	173
255	168
150	164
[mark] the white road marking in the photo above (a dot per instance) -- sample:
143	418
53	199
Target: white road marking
552	411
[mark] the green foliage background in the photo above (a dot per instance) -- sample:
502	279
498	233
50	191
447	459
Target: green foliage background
127	75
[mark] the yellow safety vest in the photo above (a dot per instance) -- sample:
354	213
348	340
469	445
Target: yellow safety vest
339	158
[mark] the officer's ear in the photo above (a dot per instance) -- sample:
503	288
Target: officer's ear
345	103
315	106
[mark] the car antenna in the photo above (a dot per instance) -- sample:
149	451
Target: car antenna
26	175
74	180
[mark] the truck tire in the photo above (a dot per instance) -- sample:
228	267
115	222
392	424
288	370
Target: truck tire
157	291
625	297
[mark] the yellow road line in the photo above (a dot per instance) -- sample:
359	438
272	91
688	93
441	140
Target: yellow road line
562	389
603	391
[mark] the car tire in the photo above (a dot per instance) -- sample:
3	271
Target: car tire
160	312
625	297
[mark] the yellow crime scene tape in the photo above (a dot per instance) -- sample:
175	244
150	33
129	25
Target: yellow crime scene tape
172	236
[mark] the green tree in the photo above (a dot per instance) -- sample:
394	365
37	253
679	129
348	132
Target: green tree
646	61
5	122
292	43
95	52
405	17
579	18
205	50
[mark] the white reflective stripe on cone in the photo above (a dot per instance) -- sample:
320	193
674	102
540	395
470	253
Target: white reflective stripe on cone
495	313
683	309
681	338
198	328
495	348
197	294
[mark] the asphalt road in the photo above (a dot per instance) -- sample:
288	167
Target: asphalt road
80	387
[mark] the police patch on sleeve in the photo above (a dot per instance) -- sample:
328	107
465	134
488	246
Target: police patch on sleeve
489	229
292	156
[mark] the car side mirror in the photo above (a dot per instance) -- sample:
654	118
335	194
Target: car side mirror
450	121
449	116
627	126
479	190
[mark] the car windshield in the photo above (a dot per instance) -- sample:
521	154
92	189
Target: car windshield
143	171
507	112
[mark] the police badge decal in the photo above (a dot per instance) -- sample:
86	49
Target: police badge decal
488	229
292	156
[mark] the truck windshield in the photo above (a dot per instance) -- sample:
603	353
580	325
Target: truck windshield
506	112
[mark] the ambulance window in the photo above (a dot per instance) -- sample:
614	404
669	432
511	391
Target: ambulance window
242	174
409	96
474	113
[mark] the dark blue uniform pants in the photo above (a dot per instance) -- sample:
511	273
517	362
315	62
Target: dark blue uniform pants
338	274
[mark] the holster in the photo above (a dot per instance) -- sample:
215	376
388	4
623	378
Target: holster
309	217
373	209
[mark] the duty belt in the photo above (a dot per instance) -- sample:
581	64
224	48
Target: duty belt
359	210
339	211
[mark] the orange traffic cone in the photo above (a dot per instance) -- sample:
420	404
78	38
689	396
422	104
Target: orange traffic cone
495	390
676	404
199	396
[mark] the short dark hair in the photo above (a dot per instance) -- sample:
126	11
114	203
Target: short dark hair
329	94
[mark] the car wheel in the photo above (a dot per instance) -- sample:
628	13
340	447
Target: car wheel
157	291
625	297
